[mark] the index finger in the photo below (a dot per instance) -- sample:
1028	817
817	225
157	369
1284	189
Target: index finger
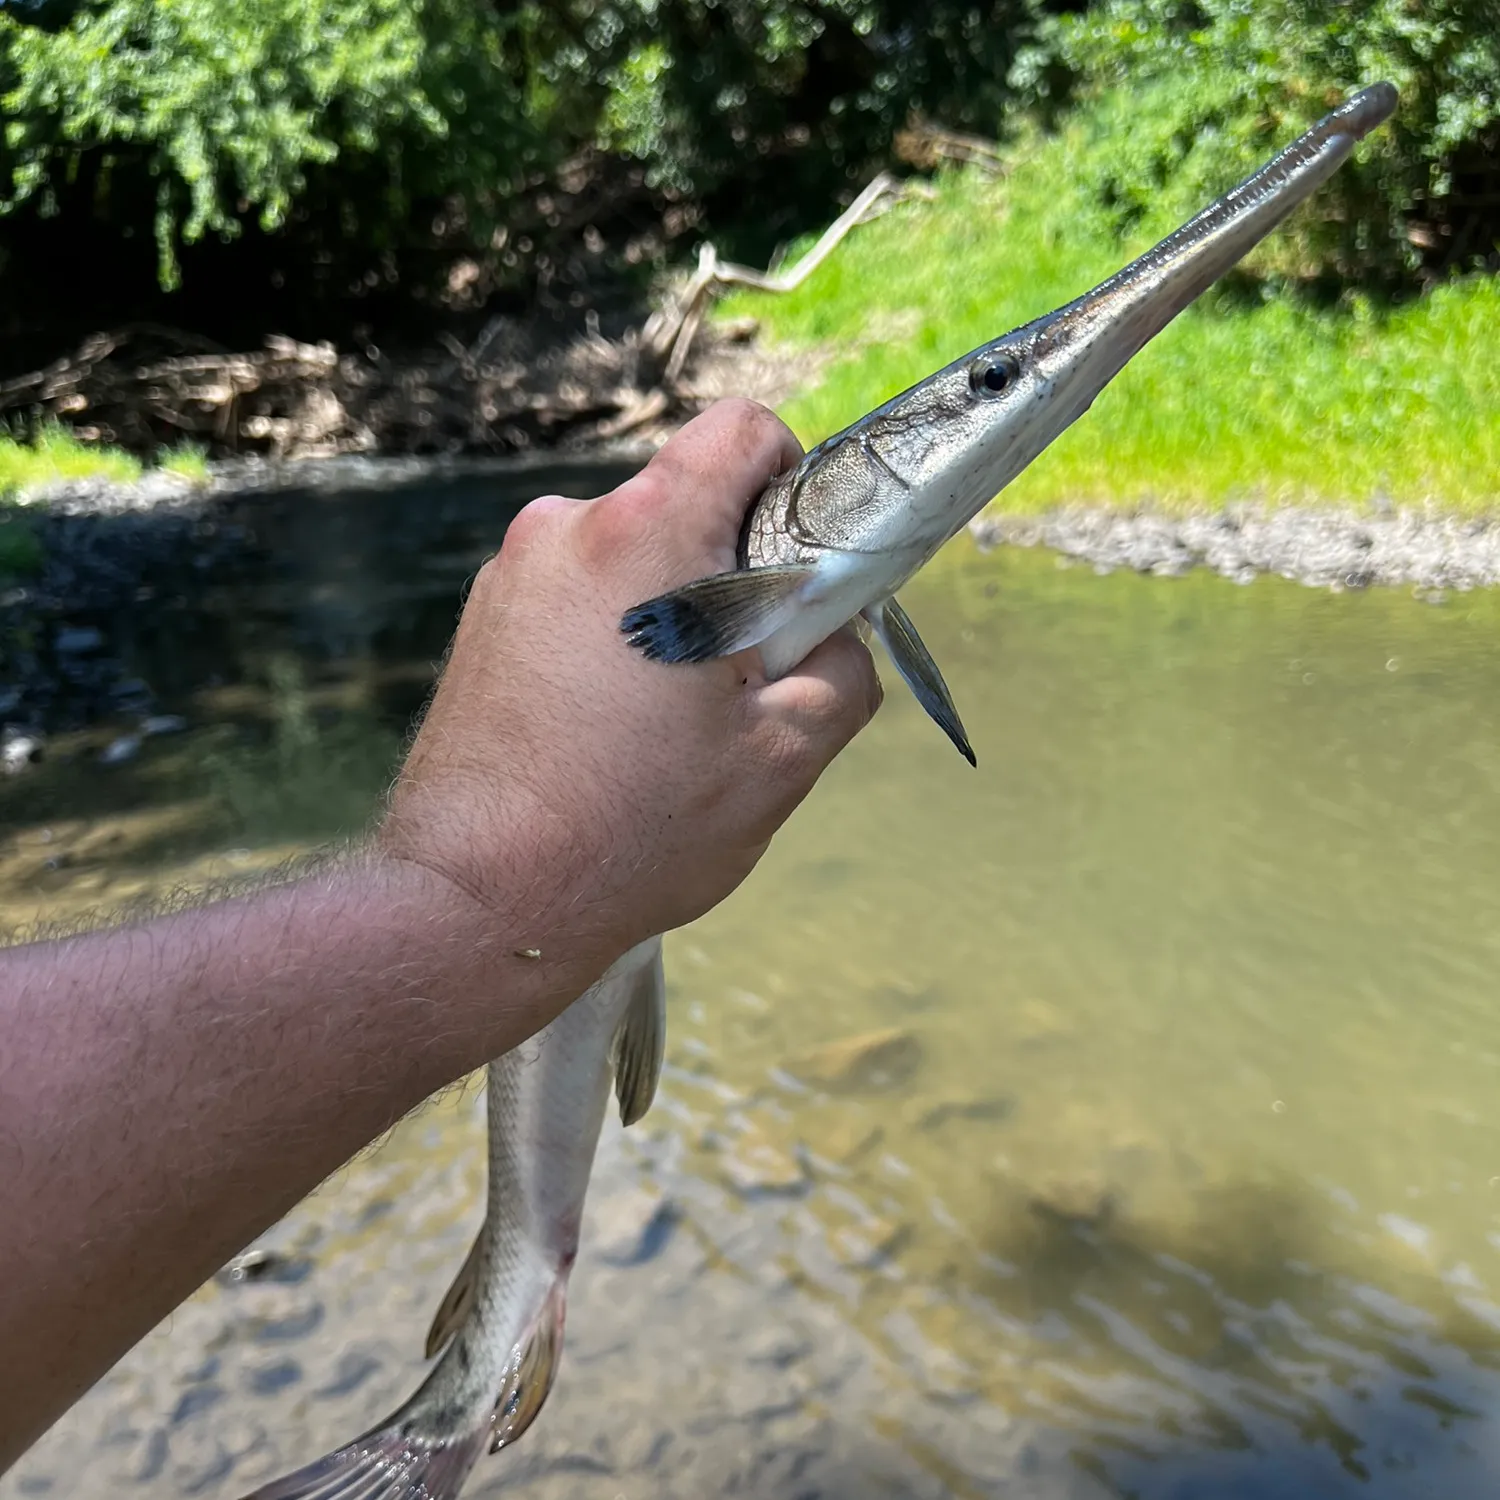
681	515
732	452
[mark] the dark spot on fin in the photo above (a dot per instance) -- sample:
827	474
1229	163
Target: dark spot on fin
915	664
716	616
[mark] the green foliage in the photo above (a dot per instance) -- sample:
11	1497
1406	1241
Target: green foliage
228	109
719	92
1209	86
1235	399
394	125
52	455
21	551
196	116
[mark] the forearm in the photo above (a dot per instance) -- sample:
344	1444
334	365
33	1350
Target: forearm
168	1090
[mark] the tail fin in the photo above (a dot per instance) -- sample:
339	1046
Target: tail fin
383	1465
402	1460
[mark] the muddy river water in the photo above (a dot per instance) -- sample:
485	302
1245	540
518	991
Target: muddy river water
1118	1119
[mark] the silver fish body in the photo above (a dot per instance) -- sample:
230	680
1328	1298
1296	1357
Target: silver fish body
837	535
501	1324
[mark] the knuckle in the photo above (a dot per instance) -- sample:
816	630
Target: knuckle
613	526
621	513
532	524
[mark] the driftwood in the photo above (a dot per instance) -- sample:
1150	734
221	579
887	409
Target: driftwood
512	387
669	333
927	146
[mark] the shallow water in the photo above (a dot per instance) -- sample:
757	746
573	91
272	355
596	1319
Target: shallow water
1167	1165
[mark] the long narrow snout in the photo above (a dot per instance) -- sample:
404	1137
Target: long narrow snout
1084	345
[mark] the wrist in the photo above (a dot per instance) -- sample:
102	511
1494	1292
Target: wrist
495	969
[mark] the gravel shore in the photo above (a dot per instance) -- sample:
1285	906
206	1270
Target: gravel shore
1332	547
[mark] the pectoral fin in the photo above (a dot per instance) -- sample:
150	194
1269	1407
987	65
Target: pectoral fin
899	637
641	1040
716	616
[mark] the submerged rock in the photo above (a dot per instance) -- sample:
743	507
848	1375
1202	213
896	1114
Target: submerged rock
1038	1021
75	640
870	1062
163	724
871	1244
990	1107
120	750
1075	1198
18	750
755	1165
841	1137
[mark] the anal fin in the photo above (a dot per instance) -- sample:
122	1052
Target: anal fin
716	616
641	1041
533	1372
915	664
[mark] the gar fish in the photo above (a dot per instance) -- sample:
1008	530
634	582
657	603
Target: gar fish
834	537
502	1319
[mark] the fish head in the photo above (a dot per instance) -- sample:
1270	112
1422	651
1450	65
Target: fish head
914	471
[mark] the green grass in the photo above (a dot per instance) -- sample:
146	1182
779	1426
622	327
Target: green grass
1273	401
188	461
54	454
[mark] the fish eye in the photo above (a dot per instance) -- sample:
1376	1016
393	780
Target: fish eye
991	376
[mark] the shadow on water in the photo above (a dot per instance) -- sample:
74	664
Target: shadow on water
297	633
1128	1359
1247	1354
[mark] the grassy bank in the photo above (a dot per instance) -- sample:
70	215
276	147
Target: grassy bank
53	454
1271	400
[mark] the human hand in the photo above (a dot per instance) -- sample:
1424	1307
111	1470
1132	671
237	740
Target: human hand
590	797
